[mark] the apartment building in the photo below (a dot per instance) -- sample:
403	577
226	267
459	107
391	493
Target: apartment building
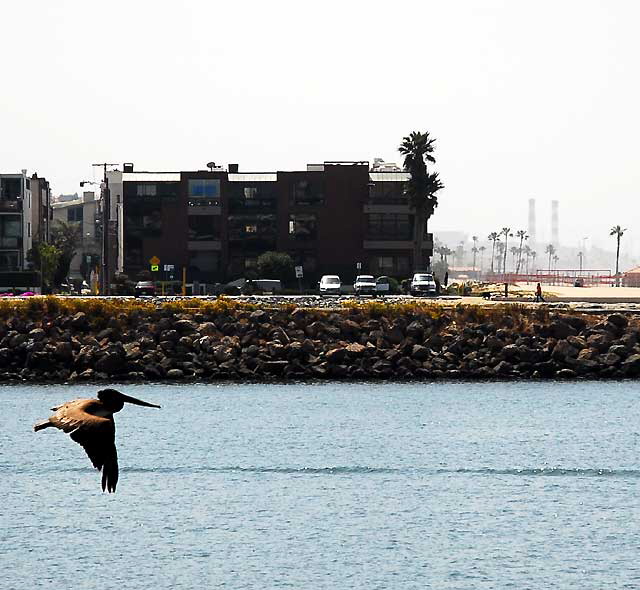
16	227
217	222
81	211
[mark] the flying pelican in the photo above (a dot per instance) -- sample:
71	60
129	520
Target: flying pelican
90	423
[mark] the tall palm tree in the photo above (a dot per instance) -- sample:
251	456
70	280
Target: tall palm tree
523	235
422	186
474	239
493	238
501	248
527	253
617	231
506	231
482	249
550	250
514	252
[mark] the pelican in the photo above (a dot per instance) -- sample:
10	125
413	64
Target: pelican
90	423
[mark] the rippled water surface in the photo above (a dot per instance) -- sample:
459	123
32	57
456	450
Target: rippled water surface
488	485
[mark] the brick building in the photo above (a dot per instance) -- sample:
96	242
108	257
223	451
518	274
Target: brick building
217	222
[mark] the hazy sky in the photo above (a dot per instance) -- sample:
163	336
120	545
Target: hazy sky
526	99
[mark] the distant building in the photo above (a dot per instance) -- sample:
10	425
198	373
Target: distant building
82	213
16	226
217	222
41	208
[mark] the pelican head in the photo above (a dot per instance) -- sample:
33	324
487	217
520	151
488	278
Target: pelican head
114	399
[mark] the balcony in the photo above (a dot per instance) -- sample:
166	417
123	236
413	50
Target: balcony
427	244
10	205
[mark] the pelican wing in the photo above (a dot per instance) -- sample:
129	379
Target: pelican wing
95	433
97	436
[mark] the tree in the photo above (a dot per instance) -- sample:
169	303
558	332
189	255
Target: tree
275	265
422	186
66	238
617	231
523	235
550	250
493	237
514	252
506	231
482	249
501	249
474	250
45	258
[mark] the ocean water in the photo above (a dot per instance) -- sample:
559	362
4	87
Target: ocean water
443	485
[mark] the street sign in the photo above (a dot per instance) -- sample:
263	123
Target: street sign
154	260
299	273
154	267
168	267
358	265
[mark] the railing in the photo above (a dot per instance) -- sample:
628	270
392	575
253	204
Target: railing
588	278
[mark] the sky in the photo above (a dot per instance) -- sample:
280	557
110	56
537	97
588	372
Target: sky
525	99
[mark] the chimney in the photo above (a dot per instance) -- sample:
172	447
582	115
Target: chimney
127	167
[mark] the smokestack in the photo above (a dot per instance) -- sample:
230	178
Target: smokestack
532	221
555	233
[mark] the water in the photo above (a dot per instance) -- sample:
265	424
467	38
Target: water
491	485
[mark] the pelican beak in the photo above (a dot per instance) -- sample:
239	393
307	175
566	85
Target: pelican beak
137	402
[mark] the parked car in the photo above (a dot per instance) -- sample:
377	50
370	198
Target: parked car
330	285
365	285
383	286
145	288
422	284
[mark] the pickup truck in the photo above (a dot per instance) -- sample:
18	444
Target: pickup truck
422	284
365	285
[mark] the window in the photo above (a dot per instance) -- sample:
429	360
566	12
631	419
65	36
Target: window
204	261
302	226
387	192
389	226
306	192
10	189
250	192
28	229
204	228
10	232
251	228
391	265
146	189
9	261
204	188
74	213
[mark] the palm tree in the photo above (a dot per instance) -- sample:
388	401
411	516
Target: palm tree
482	249
617	231
534	254
527	254
501	248
550	249
493	237
507	232
514	251
474	239
422	186
523	235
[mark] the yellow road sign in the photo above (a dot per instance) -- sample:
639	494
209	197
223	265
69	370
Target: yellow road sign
154	267
155	261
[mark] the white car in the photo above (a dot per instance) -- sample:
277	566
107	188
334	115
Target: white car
365	285
422	283
330	285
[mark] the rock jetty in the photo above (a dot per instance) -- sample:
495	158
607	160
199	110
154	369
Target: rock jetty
48	343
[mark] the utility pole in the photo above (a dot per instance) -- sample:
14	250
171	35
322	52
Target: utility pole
106	218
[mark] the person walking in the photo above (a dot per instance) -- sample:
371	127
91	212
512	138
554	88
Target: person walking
539	296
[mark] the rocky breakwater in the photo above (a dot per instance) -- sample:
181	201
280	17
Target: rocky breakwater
285	343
